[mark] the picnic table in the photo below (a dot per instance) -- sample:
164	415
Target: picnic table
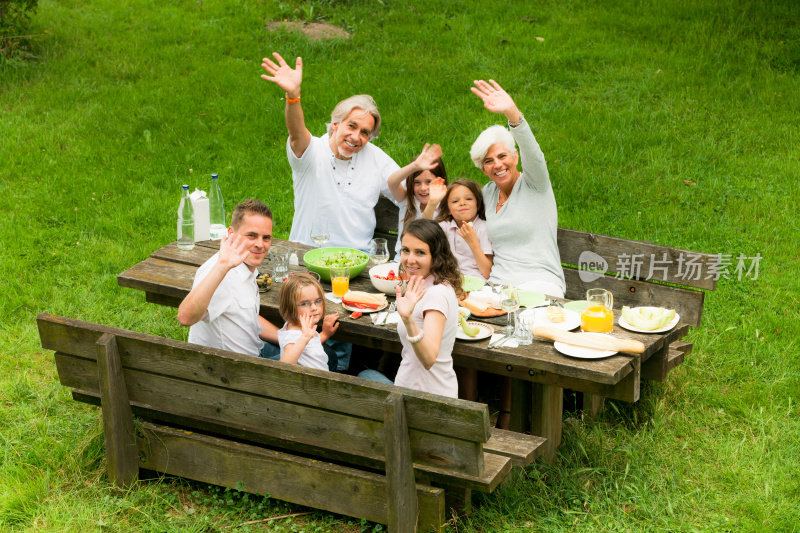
539	373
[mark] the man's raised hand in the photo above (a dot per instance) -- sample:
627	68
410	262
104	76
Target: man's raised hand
233	250
286	77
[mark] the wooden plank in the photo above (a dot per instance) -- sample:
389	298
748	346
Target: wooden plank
283	476
159	276
546	411
496	467
620	390
121	457
657	367
160	299
522	449
593	404
651	261
401	493
519	418
682	346
676	358
688	303
194	257
255	414
325	390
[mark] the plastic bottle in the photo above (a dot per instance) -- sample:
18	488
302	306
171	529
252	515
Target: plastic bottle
185	221
216	205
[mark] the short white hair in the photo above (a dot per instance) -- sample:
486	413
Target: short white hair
492	135
359	101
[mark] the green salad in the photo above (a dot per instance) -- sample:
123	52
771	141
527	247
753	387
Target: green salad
343	259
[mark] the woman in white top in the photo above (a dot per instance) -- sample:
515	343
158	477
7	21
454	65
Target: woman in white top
521	213
426	169
428	311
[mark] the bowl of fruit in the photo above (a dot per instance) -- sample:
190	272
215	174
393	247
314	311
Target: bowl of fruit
386	277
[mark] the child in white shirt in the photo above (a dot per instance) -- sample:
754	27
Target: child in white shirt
301	304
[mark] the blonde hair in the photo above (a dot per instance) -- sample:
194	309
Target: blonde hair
287	300
359	101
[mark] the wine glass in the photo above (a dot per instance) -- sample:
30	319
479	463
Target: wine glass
509	304
320	232
378	251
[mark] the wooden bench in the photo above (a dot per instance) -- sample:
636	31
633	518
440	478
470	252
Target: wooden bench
638	273
334	442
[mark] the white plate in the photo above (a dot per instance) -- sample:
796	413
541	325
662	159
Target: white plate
630	327
571	319
584	353
366	311
485	331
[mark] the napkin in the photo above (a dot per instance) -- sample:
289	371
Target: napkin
377	318
331	298
509	343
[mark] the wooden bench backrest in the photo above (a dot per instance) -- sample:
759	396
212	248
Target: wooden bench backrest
636	272
272	403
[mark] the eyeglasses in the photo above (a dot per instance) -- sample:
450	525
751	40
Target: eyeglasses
308	303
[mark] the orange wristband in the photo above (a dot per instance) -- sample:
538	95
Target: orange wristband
292	100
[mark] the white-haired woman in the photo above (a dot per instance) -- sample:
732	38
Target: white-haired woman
521	213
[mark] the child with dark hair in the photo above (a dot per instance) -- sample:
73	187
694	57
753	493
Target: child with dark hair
462	216
426	169
428	311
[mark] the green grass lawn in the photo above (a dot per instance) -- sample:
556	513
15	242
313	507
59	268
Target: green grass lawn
669	121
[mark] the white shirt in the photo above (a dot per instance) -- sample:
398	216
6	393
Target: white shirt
343	192
460	248
231	320
441	378
313	355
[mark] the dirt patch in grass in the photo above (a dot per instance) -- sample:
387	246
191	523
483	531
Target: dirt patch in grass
315	31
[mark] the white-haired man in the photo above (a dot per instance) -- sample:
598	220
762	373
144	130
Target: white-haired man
340	176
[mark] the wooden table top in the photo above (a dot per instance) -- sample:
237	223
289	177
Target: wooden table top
167	275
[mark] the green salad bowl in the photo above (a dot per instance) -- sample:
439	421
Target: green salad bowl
320	260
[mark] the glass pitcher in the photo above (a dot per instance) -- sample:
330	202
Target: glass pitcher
598	316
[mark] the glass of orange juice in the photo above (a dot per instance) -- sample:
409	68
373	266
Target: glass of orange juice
598	316
340	280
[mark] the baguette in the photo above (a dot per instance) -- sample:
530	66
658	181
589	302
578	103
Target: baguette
589	341
364	300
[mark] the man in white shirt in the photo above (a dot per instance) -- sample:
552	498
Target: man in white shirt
339	177
222	307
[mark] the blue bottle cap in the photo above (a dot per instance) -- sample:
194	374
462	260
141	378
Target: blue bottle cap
214	176
185	186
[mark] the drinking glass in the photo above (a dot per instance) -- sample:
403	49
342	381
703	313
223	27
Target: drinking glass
524	328
378	251
279	259
509	304
340	280
320	232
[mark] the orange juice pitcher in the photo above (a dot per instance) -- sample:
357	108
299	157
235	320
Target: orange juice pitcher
598	317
